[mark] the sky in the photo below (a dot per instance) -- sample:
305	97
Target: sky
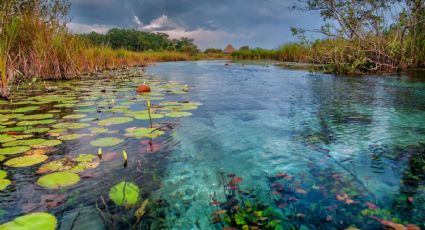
211	23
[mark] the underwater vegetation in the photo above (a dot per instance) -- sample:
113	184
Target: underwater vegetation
332	202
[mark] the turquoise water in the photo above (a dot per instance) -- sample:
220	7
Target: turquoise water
362	136
268	148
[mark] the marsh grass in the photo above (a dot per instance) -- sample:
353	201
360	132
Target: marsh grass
35	43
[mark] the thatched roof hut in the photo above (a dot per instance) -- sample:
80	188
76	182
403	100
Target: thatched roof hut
229	49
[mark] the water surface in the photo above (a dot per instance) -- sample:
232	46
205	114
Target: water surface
268	147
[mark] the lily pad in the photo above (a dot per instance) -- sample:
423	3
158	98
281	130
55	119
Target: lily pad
25	109
3	181
37	122
15	129
144	115
70	137
143	132
36	143
70	125
58	180
75	116
106	142
64	106
124	194
178	114
88	119
36	220
25	161
114	121
6	138
98	130
14	150
77	164
37	130
36	117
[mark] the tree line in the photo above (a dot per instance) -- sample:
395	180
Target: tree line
136	40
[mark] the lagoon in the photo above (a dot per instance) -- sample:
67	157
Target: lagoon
240	145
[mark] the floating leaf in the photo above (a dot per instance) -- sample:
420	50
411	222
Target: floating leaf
75	116
36	117
124	194
143	132
37	130
37	220
58	180
70	137
144	115
114	121
7	138
25	109
3	181
98	130
106	142
178	114
88	119
25	161
14	150
78	164
36	143
70	125
15	129
64	106
37	122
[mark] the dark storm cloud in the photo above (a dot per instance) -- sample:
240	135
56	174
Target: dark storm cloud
258	22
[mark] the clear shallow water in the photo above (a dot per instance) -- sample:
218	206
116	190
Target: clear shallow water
335	135
307	151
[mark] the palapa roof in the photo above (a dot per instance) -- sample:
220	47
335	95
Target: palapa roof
229	49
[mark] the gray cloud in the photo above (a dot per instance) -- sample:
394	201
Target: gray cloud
263	23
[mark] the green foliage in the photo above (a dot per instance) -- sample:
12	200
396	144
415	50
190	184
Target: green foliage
135	40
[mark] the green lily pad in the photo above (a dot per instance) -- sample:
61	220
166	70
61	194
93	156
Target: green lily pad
36	117
144	115
64	106
70	125
8	123
88	119
3	174
3	181
178	114
58	180
14	150
25	161
114	121
6	138
124	194
15	129
10	116
77	164
75	116
37	130
143	132
36	143
106	142
98	130
70	137
25	109
55	111
36	220
37	122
